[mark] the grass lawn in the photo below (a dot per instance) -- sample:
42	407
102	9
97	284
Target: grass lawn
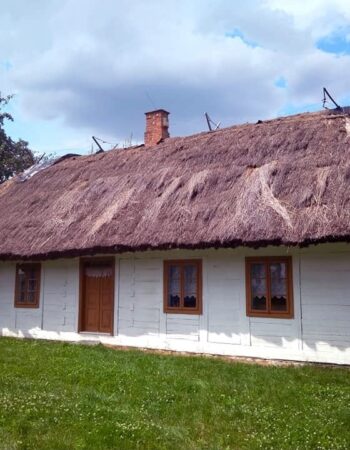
65	396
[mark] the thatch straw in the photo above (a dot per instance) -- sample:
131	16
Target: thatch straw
284	181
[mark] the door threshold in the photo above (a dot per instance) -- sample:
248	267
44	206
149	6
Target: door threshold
95	333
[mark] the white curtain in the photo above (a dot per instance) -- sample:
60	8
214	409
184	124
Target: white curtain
98	272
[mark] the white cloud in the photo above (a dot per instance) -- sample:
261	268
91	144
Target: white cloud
93	64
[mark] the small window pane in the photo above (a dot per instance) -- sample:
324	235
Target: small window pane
258	287
190	287
31	297
278	286
21	286
278	270
278	304
31	285
259	303
31	274
258	270
22	281
190	301
174	286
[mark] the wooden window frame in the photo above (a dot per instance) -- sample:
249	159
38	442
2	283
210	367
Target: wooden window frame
268	260
26	304
182	309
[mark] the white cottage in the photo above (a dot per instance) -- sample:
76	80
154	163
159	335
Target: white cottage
231	242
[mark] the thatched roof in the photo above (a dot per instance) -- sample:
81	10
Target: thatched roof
283	181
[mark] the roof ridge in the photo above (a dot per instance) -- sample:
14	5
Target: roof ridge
331	114
307	115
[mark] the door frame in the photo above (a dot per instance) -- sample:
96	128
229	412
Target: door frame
82	261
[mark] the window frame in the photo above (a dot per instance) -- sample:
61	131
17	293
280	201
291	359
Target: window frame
268	260
26	304
182	309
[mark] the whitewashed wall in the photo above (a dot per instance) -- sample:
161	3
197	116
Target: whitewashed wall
320	330
57	314
325	291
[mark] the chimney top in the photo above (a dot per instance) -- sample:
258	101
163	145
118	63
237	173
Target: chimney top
157	111
157	127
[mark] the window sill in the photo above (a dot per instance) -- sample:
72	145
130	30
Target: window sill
27	306
196	312
271	316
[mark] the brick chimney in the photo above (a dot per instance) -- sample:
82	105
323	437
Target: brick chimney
157	127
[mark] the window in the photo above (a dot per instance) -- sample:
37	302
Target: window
27	289
269	287
183	286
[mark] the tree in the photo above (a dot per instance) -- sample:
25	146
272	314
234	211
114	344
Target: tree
14	156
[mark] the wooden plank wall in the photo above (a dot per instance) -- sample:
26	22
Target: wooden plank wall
325	291
320	329
58	299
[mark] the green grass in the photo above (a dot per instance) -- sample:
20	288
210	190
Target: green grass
65	396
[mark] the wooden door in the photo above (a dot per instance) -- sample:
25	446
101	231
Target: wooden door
97	296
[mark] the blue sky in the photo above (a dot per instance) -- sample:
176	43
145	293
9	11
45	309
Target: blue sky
81	68
337	42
